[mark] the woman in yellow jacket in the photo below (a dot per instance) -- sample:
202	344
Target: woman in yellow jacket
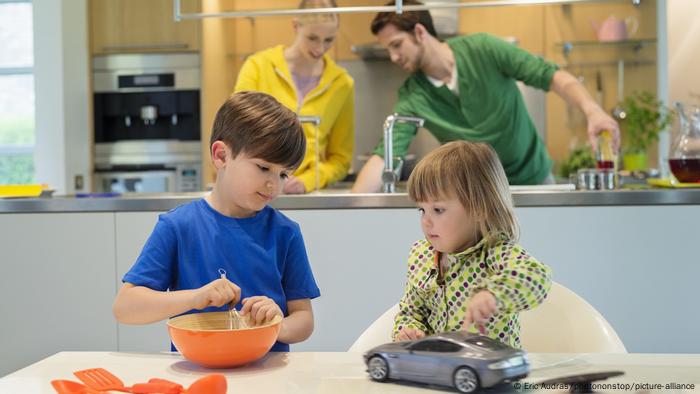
305	79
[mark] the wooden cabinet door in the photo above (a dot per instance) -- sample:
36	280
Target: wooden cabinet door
123	26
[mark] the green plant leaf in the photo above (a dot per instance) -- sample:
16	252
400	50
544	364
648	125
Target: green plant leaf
581	157
646	117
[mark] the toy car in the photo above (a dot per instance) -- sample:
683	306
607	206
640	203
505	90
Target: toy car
460	359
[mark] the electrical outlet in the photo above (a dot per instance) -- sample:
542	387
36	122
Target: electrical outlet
78	183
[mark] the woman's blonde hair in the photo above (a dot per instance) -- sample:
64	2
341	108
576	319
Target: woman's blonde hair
472	173
316	18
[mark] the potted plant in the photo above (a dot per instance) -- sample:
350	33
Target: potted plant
646	117
580	157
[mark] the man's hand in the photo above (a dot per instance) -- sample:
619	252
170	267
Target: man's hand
369	180
598	121
574	93
294	186
480	308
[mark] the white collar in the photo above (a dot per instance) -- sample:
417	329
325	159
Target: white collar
452	84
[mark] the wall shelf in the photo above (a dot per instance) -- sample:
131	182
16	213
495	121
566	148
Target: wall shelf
636	45
610	63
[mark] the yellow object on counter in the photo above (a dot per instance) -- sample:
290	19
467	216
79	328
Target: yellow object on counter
670	183
606	153
30	190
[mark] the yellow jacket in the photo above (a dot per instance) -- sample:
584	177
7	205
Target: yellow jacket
332	100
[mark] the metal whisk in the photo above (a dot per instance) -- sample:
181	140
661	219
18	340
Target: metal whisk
235	321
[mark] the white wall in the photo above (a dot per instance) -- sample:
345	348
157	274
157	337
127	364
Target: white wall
684	50
62	94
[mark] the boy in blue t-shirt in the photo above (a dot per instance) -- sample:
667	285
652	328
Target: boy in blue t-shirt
256	144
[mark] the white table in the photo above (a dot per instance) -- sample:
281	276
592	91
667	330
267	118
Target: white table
338	373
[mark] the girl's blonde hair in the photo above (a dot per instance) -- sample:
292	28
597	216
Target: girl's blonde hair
316	18
472	173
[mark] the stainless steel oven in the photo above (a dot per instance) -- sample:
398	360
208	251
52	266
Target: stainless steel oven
136	181
147	123
151	180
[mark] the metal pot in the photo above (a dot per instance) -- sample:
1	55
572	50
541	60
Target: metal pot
596	179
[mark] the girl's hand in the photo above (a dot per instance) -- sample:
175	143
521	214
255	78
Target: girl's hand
294	186
480	308
217	293
409	334
261	309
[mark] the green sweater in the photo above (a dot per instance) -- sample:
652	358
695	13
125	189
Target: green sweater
517	280
489	107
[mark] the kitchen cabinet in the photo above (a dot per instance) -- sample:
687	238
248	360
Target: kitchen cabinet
134	26
133	229
56	284
566	125
59	272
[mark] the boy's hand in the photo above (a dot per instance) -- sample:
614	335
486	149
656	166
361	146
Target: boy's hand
217	293
480	308
294	186
261	309
409	334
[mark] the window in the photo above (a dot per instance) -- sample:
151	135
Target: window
435	345
486	343
16	92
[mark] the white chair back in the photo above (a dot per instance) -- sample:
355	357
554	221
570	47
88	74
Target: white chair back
377	333
564	323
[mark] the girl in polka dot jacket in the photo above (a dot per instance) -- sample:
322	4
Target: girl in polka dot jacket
468	273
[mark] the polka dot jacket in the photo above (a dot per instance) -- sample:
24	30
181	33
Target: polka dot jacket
517	280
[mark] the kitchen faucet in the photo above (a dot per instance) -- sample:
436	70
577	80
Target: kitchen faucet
316	121
388	176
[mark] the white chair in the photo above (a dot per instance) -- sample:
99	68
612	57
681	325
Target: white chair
377	333
564	323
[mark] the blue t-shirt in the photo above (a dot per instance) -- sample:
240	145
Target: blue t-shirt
263	255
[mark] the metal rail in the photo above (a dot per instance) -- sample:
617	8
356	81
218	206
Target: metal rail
398	8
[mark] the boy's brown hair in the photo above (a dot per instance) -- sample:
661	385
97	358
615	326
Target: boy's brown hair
472	173
257	124
405	21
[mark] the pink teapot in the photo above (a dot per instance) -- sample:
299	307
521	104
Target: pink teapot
615	29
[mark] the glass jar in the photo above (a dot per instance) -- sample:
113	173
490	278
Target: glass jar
684	159
606	154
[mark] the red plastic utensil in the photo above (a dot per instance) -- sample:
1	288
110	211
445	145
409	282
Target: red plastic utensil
102	380
172	385
210	384
70	387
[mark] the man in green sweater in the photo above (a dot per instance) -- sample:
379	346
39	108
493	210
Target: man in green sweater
465	89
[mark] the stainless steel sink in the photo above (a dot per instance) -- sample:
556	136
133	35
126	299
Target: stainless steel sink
328	191
345	187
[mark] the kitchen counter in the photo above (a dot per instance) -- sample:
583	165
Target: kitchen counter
610	248
341	199
337	373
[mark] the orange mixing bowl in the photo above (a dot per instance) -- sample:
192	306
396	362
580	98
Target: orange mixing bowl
205	339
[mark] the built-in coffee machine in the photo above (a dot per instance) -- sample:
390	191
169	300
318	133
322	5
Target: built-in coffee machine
147	123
